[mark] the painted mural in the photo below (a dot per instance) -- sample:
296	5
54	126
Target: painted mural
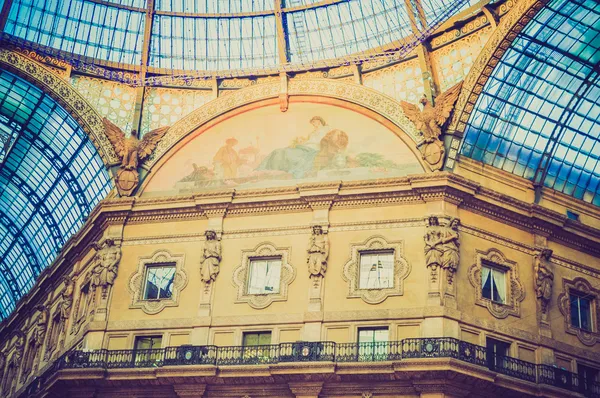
265	147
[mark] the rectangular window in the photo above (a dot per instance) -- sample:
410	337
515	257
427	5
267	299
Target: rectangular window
265	274
493	284
256	338
373	344
496	350
256	347
587	377
159	282
581	311
147	350
148	342
376	270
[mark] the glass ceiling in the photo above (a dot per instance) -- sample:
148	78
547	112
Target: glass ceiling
50	180
539	113
221	35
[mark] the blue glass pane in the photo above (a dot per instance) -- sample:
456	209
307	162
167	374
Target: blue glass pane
213	6
538	115
227	43
80	27
50	180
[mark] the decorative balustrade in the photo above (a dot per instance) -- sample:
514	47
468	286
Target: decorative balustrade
327	351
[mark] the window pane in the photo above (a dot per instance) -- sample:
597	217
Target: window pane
585	313
148	342
366	335
575	321
499	288
376	270
265	275
486	281
159	282
258	338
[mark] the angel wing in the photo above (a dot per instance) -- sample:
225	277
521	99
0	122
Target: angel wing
149	142
444	104
413	114
115	136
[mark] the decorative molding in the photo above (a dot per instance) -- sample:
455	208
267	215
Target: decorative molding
351	272
241	274
380	103
137	279
62	92
581	285
515	293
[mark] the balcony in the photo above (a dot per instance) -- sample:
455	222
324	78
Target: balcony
324	352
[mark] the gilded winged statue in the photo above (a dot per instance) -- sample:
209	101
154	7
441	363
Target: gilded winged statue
131	149
430	120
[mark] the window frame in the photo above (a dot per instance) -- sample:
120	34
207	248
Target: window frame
361	253
374	350
494	268
581	296
145	283
254	261
582	288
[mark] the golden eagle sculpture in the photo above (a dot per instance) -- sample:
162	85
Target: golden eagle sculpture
131	150
430	120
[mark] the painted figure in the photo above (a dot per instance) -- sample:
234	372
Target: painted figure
298	159
226	161
211	258
544	279
318	251
107	260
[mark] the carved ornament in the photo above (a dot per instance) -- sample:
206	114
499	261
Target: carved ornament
543	279
210	259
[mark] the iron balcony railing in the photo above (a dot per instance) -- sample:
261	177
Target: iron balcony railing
321	351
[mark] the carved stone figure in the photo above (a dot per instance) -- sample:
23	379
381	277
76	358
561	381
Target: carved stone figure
431	119
41	325
211	258
66	303
107	260
318	252
450	243
433	244
131	150
19	348
544	279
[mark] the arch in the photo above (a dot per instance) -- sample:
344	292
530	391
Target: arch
384	106
64	94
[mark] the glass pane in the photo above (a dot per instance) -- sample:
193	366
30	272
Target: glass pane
376	270
265	276
159	282
366	335
250	339
585	313
486	290
575	321
264	339
381	335
148	342
499	286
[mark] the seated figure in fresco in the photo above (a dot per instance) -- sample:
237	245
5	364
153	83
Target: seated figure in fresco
299	158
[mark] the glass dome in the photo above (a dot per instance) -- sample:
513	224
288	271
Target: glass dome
175	36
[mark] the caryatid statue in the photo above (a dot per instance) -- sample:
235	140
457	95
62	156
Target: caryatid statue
67	298
318	252
433	243
211	257
543	279
450	243
107	260
41	325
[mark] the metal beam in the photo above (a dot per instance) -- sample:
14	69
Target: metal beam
282	33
